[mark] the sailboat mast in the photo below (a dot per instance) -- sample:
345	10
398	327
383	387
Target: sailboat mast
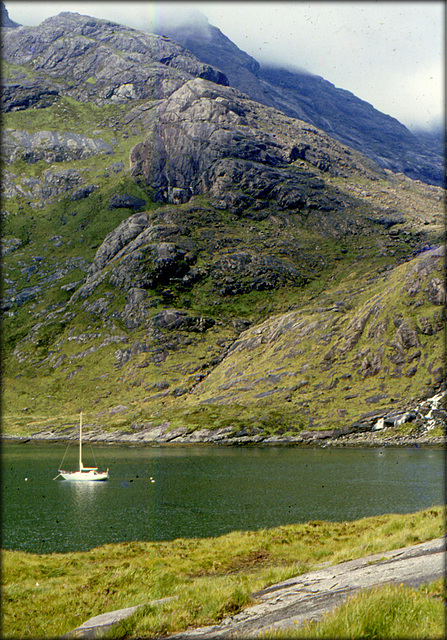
80	442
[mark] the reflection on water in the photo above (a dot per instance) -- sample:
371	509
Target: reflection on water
164	493
85	500
84	495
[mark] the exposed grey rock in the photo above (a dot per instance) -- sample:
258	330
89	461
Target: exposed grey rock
172	319
98	626
430	325
19	298
17	97
207	138
407	337
116	167
435	291
50	146
98	307
118	409
308	97
100	61
9	245
44	190
136	255
83	192
309	596
114	242
126	201
135	310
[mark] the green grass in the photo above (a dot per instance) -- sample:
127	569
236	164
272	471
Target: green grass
270	420
48	595
84	224
392	611
66	114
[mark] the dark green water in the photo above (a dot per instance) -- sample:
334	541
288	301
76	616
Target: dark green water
203	491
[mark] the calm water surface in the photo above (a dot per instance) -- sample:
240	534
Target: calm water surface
203	491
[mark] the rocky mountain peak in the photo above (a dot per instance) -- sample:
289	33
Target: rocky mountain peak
98	61
5	20
207	41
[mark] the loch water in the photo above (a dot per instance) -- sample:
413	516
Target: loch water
168	492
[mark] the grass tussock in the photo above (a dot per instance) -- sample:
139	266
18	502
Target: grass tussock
206	579
391	611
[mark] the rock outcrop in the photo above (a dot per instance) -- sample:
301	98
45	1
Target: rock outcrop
96	61
312	99
209	139
50	146
46	189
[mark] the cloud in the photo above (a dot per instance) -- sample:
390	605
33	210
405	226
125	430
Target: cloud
389	54
175	14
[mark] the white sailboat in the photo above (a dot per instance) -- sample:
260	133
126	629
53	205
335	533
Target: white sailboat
84	473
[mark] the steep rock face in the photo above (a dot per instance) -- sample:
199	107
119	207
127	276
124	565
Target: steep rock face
96	60
311	98
204	138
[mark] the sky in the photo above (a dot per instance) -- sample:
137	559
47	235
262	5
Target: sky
390	54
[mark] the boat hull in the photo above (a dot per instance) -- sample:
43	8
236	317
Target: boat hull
84	476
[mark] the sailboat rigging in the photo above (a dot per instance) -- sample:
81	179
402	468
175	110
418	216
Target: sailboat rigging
84	473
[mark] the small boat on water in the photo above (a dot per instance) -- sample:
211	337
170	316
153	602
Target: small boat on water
83	473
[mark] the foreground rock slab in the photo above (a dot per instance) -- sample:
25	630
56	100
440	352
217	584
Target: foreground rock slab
311	595
98	626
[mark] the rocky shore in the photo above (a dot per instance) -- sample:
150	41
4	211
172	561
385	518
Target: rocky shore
424	426
163	435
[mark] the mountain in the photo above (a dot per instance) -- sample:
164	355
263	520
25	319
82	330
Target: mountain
311	98
5	20
179	254
112	63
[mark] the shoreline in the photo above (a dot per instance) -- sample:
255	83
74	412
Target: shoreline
322	439
376	429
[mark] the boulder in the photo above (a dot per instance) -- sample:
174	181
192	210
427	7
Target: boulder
126	201
83	192
173	320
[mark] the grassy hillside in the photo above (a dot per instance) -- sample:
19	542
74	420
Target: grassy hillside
279	355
